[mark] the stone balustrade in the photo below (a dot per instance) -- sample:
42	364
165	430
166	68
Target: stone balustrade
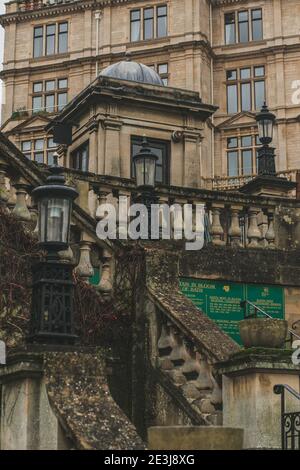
190	370
225	183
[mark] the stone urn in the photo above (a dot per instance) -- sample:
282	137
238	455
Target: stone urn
263	332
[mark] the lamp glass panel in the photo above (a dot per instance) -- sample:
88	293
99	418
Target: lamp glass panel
54	220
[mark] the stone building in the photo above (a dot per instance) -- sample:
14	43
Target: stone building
234	54
179	362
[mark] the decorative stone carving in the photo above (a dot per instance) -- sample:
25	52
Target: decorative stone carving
254	233
235	231
85	269
21	210
105	285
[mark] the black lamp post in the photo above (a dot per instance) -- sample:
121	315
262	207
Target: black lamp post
145	171
52	290
266	155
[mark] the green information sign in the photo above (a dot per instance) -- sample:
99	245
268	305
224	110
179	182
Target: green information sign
221	300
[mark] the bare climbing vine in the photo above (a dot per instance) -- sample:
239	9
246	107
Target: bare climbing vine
99	321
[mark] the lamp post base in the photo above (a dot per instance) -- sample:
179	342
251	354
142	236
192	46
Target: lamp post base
52	317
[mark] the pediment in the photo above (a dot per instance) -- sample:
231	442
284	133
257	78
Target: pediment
29	124
243	119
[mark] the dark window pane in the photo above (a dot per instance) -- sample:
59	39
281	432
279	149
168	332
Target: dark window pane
80	158
161	150
161	22
63	83
148	23
259	71
38	42
257	14
37	87
37	103
162	68
26	145
39	144
232	99
257	26
231	75
230	28
63	27
243	26
50	160
50	85
259	90
135	15
245	73
246	141
51	143
50	39
233	167
165	81
62	38
232	142
135	26
61	100
247	162
39	157
246	97
50	103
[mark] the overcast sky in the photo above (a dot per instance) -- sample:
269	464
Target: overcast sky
1	50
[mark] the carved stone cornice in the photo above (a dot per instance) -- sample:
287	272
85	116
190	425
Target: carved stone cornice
58	9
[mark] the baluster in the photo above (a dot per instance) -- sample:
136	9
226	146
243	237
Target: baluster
4	196
105	284
21	210
67	255
191	367
270	235
216	396
165	345
102	199
178	357
177	221
204	381
217	231
85	269
190	370
254	234
235	231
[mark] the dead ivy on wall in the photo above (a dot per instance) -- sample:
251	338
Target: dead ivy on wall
99	321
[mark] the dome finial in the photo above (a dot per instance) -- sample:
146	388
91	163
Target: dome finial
128	56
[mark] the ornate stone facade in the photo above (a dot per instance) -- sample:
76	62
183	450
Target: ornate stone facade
192	55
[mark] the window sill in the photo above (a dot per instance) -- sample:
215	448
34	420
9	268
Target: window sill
237	45
148	41
50	57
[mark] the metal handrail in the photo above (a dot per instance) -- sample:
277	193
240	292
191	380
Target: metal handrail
258	309
290	432
280	388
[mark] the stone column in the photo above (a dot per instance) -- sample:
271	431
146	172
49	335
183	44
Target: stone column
112	147
21	210
249	401
191	159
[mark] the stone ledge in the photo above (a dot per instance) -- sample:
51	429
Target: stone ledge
259	359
